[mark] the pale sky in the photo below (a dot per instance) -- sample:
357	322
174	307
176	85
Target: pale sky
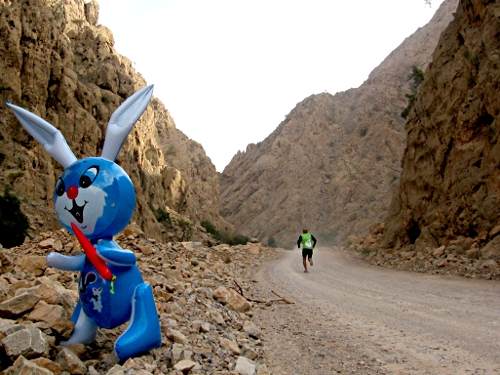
229	71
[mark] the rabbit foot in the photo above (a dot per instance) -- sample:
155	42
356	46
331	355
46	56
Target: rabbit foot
143	332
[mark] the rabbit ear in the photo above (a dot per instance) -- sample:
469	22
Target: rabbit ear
46	134
122	121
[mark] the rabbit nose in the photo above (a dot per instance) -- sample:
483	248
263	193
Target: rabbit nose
72	192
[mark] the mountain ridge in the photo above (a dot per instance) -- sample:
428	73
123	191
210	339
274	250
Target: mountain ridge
324	167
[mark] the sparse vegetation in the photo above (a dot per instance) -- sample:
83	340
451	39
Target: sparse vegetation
161	215
238	239
171	150
209	227
230	239
271	242
417	77
363	131
202	160
13	222
187	229
15	176
473	59
366	251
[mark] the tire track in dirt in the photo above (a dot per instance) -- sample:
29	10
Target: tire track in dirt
352	317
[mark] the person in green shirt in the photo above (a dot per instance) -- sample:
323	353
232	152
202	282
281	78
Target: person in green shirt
308	242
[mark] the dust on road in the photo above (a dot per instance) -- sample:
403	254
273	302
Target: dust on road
352	317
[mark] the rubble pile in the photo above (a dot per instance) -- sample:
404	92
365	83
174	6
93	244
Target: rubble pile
467	257
200	292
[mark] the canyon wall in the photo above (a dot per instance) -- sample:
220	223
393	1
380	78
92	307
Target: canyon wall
333	163
449	192
59	63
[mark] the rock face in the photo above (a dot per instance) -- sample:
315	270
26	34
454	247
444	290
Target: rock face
334	162
449	192
60	64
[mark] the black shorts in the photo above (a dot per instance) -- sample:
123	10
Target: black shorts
307	253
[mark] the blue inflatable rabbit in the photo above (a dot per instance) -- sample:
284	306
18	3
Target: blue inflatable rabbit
95	199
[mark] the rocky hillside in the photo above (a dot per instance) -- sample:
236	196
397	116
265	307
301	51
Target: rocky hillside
449	194
335	160
59	63
206	321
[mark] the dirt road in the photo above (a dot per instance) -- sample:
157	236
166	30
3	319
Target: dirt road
352	317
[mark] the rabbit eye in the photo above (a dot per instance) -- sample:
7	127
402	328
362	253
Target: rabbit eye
60	188
89	176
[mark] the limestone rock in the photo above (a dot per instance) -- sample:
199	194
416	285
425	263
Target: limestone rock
52	294
35	264
5	262
24	366
140	365
248	352
17	305
229	345
230	298
216	317
179	352
55	316
252	330
184	366
70	362
245	366
177	337
205	351
46	363
29	343
8	327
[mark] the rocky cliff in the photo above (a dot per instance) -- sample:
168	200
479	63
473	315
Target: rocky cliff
449	194
335	160
59	63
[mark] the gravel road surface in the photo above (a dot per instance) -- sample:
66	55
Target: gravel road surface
352	317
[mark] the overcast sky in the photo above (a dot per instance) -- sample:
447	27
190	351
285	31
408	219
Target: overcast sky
229	71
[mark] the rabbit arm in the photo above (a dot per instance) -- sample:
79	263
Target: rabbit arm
117	257
111	253
65	262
